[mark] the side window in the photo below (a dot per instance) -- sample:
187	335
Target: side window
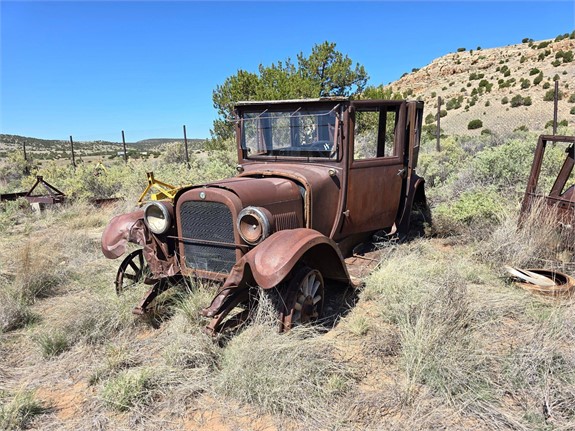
374	135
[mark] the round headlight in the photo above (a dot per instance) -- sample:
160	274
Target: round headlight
157	217
253	225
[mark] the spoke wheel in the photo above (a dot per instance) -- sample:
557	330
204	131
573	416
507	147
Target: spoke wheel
132	270
304	298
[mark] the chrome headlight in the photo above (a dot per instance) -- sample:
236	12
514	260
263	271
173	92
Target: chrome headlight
254	224
158	217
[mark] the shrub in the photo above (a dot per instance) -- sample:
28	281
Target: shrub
475	124
572	111
437	167
534	71
544	44
525	83
478	206
516	100
454	103
538	79
505	100
562	123
550	95
429	118
460	49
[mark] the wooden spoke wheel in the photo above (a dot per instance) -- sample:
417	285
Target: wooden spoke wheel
303	299
132	270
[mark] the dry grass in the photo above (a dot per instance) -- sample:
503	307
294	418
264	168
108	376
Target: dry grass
540	242
17	412
436	341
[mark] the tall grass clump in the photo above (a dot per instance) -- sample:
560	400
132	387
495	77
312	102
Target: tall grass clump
293	373
18	412
187	345
130	389
425	296
14	313
537	241
540	370
38	269
92	320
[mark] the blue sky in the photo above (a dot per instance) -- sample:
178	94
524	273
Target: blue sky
92	69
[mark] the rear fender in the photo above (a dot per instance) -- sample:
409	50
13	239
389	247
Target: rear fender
416	194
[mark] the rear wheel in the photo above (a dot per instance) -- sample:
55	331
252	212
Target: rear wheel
420	219
303	298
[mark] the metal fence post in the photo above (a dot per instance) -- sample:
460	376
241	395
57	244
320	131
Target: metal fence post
72	147
186	146
124	143
555	104
438	130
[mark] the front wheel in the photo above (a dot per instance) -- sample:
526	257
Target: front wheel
132	270
303	298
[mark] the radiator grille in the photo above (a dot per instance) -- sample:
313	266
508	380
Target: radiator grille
208	221
286	221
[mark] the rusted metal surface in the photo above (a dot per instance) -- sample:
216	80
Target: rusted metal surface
301	202
51	194
560	201
543	281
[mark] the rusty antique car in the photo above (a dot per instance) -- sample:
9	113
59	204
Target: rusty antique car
560	201
315	179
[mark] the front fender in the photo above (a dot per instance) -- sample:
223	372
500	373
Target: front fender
271	261
269	264
121	230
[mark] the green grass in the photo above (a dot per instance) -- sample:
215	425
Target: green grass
130	389
19	411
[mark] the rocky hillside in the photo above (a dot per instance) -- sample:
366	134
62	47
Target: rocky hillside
505	88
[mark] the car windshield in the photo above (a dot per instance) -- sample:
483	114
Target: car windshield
295	133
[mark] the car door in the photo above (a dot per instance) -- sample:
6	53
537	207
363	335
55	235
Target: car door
377	166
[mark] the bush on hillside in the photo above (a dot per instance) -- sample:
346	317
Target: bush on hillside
550	95
475	124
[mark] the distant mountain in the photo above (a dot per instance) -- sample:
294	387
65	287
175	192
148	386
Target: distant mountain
506	88
44	146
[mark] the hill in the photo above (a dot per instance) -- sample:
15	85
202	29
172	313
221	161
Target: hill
54	149
506	88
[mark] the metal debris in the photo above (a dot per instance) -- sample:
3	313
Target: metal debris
543	281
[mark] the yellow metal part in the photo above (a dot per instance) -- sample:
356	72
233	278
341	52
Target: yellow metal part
99	168
158	190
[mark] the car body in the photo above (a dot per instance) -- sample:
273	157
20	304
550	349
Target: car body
559	202
315	179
